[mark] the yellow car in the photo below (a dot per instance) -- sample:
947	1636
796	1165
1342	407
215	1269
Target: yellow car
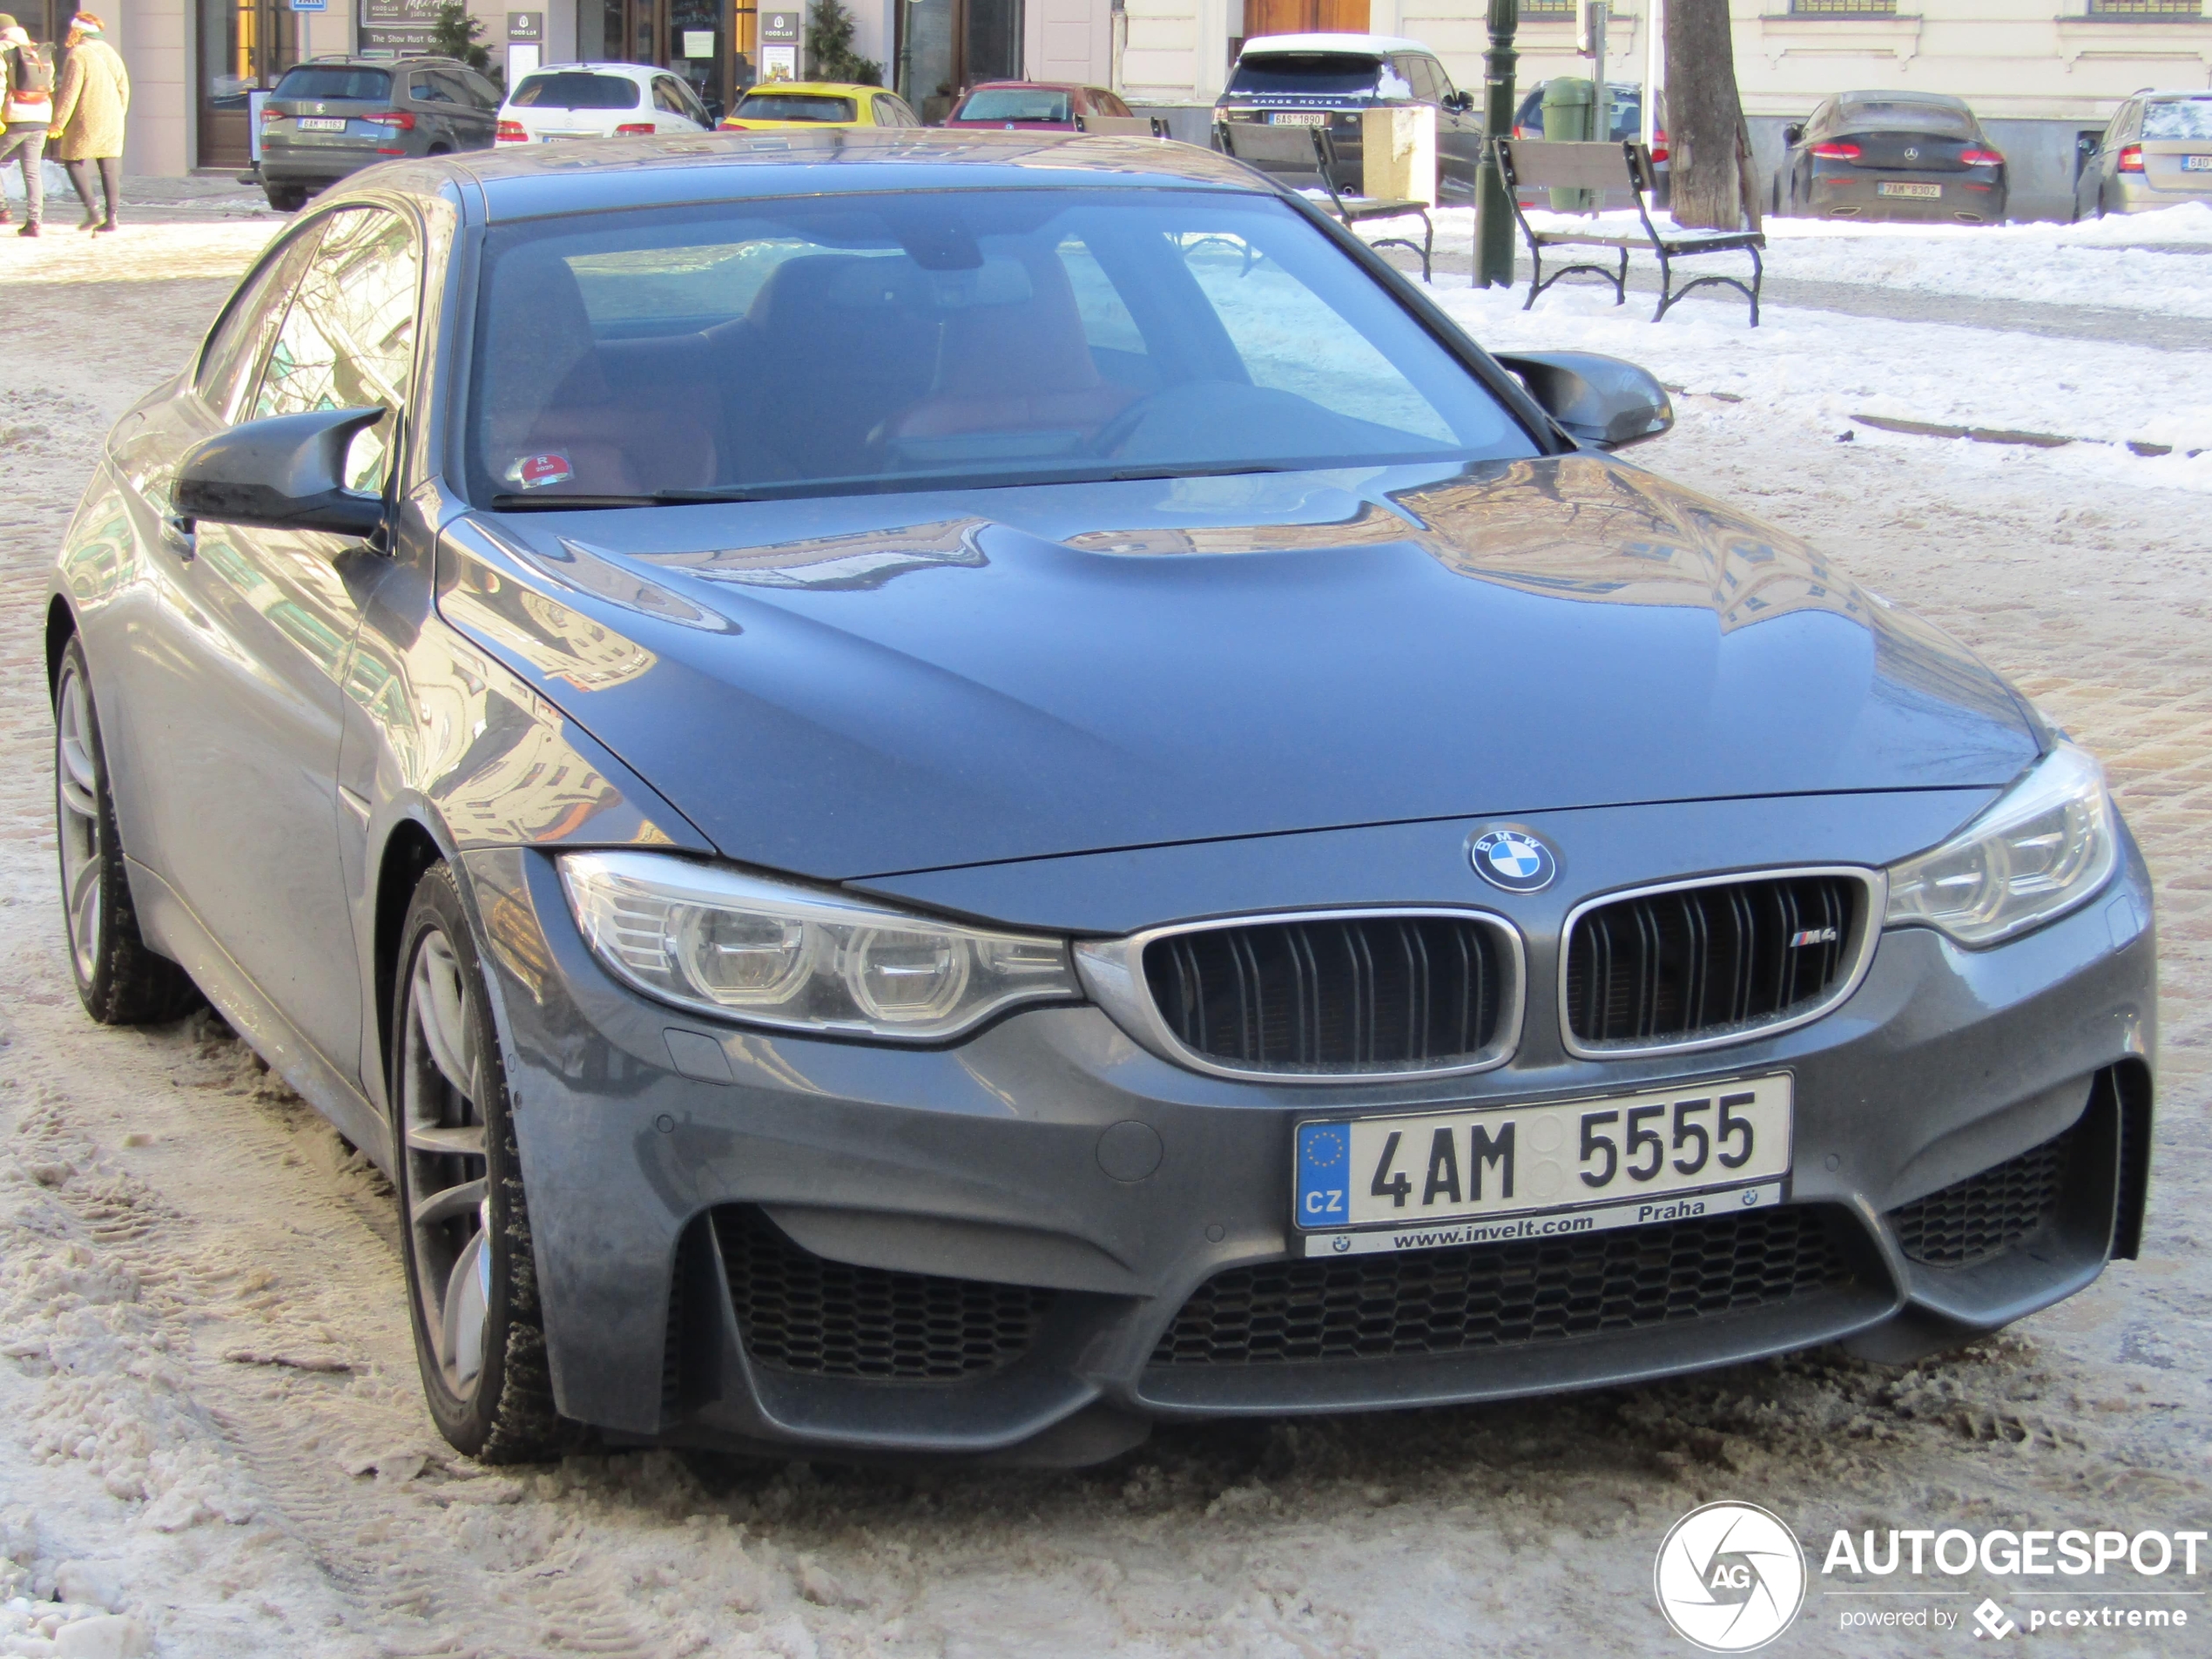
817	103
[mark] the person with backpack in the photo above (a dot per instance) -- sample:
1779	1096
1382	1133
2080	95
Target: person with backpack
90	104
27	87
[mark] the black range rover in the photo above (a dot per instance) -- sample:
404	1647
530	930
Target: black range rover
1312	80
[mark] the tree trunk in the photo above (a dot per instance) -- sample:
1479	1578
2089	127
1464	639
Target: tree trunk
1703	116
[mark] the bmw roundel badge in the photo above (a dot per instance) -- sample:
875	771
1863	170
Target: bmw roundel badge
1514	860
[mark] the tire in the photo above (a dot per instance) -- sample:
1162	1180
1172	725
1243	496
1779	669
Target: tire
464	1223
120	979
287	199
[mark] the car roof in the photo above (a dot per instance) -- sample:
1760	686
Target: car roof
377	63
1943	99
1034	86
632	72
823	89
1366	45
529	181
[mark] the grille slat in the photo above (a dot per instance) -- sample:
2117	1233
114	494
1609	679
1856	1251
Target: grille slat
1395	993
1675	966
803	1313
1987	1214
1447	1301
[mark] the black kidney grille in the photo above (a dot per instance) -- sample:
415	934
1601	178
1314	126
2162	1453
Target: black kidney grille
800	1311
1445	1301
1670	966
1987	1214
1348	994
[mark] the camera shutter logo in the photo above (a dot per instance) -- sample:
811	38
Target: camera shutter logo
1730	1577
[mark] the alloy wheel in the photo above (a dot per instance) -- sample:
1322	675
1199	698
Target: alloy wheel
77	821
447	1193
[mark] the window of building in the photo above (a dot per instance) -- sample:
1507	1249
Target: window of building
1842	8
2145	8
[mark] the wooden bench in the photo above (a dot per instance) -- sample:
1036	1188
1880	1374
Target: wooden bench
1306	152
1532	164
1123	127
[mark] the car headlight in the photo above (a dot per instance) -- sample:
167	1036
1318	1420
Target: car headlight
708	938
2048	844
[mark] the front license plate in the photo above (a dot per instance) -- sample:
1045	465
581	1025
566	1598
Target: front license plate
2196	164
1298	119
320	124
1477	1176
1917	192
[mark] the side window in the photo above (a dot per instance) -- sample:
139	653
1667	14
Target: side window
692	107
480	91
1440	83
665	98
349	340
450	87
420	89
227	369
1108	104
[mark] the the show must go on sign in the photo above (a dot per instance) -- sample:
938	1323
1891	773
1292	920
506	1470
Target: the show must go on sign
390	28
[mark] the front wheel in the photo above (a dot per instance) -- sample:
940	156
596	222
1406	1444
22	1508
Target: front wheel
464	1226
120	980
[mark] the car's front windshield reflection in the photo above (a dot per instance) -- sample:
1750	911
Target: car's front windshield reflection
828	345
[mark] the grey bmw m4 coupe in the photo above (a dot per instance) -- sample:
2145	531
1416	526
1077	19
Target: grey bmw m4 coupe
954	795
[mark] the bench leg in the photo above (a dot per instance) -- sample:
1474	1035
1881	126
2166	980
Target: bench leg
1536	276
1758	280
1667	295
1428	245
1621	282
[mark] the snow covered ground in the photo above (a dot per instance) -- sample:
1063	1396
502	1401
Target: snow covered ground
211	1442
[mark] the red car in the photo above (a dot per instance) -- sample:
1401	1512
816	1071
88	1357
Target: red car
1044	106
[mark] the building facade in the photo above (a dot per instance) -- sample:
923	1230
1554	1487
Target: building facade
2041	69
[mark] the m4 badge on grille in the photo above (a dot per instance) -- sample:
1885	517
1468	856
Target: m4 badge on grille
1813	936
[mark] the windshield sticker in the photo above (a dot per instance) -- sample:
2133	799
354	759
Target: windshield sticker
534	472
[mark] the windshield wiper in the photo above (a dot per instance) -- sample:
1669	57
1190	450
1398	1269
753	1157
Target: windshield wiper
513	503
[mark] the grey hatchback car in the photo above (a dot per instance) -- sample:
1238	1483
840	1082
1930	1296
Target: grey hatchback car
2156	152
331	118
951	795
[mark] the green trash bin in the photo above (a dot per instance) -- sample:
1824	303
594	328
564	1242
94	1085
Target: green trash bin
1570	114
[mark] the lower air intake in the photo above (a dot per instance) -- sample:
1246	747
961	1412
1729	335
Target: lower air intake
1447	1301
1986	1215
801	1312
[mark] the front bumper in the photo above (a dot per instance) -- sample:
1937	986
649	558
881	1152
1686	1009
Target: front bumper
1050	1187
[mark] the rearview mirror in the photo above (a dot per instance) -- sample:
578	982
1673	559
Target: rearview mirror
287	472
1460	102
1794	133
1598	400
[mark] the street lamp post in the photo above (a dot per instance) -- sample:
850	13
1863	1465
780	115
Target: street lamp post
1492	212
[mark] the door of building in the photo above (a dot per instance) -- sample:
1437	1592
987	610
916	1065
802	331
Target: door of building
1305	17
245	45
948	45
709	43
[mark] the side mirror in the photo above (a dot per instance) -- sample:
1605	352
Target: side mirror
1598	400
2087	144
1794	133
285	472
1460	102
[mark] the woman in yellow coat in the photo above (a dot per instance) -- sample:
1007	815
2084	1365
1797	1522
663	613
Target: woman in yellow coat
90	104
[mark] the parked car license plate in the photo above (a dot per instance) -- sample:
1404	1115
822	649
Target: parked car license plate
321	123
1919	192
1298	119
1474	1177
2196	164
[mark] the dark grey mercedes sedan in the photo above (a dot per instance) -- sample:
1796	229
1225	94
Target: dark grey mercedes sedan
952	795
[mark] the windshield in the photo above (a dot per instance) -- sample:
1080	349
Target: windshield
839	344
1014	104
1896	116
1335	73
367	85
2179	118
795	106
574	91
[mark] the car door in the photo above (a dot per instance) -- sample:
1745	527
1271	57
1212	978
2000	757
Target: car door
1459	135
246	729
475	107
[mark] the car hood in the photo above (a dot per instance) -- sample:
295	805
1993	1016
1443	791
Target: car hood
866	686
